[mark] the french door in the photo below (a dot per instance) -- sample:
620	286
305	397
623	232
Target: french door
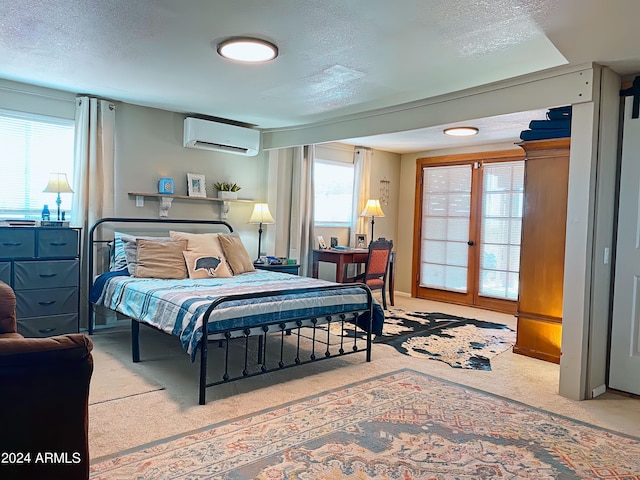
468	222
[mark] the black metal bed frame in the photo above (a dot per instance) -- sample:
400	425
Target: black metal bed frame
282	329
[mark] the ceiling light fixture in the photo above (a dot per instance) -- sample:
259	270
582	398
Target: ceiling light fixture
461	131
250	50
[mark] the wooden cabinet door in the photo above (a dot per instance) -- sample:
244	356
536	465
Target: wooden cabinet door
542	249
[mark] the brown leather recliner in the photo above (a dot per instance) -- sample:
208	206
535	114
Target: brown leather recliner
44	398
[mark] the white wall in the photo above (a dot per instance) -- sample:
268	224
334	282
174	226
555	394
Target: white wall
386	165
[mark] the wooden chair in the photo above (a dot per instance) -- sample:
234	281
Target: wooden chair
377	267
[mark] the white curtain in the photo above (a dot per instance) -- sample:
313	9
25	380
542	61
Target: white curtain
93	179
301	235
94	161
362	174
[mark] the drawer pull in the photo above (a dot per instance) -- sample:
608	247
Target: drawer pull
44	331
46	304
11	244
48	275
57	244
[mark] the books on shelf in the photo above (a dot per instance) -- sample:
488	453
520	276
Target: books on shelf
20	222
54	223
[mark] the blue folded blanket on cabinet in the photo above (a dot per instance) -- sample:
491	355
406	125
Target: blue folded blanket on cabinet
557	125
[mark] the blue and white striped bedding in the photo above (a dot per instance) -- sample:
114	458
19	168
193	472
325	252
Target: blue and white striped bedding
177	306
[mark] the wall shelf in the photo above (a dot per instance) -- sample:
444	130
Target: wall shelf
166	200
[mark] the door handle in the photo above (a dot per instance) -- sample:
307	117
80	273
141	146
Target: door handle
471	243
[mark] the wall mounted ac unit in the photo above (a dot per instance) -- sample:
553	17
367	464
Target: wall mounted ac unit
220	137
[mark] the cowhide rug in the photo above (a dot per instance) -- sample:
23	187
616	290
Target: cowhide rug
458	341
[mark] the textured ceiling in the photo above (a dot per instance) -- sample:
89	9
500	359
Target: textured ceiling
336	57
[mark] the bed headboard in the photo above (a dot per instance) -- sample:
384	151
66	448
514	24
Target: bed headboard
102	231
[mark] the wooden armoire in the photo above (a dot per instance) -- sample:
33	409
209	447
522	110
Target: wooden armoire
544	222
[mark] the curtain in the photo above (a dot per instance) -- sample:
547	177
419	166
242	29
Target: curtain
301	234
93	179
362	175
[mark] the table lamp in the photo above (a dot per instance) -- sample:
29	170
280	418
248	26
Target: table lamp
58	183
261	215
372	209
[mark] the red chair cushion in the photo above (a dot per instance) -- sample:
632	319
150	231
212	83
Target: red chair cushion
378	262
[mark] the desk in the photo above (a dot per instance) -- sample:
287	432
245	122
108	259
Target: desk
341	258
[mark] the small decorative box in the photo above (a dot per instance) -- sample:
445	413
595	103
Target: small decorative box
165	185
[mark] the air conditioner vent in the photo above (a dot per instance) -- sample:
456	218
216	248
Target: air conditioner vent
221	137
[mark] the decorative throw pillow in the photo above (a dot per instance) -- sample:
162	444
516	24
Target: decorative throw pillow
160	259
207	244
236	254
197	242
131	249
206	265
119	258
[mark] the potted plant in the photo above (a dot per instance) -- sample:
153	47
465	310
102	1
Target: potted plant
227	190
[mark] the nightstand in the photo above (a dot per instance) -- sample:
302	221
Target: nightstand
285	268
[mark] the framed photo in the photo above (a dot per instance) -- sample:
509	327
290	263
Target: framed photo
196	186
321	243
361	240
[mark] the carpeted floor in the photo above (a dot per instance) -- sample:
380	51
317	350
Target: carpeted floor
401	425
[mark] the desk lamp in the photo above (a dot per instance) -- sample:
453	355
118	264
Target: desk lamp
58	183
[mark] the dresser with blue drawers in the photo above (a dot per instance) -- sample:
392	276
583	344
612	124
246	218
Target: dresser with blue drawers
43	267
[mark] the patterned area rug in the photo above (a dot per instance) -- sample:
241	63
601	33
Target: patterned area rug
458	341
405	425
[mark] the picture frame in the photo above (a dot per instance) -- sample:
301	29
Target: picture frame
361	240
196	185
321	243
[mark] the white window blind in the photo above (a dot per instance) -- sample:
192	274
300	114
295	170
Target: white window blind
33	146
333	193
502	197
445	227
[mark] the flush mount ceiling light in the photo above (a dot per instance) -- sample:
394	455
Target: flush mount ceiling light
461	131
250	50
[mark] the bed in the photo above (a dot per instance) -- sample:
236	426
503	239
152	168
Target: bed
276	320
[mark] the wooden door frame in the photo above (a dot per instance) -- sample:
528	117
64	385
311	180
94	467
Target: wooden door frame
471	298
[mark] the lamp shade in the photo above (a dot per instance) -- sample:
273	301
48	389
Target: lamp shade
58	183
261	214
372	209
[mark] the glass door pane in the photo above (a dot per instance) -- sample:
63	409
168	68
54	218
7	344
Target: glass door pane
446	211
502	197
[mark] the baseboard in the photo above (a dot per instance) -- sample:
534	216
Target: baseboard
596	392
402	294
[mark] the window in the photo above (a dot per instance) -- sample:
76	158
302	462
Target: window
501	224
33	146
333	193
